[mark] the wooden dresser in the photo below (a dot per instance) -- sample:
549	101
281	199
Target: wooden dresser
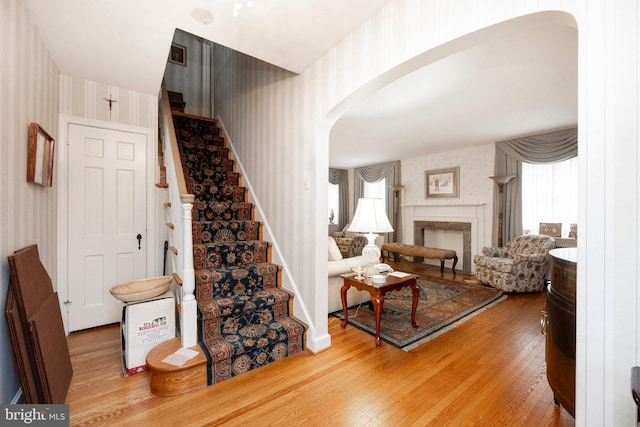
559	322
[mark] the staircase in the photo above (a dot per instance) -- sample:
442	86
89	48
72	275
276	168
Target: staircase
244	316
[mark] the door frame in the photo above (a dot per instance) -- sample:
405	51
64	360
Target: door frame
62	164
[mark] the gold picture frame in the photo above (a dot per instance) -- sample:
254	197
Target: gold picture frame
178	54
442	183
40	151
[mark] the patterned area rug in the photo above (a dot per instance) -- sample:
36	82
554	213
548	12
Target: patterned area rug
443	304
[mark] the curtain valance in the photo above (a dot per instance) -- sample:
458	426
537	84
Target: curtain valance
546	148
549	147
337	176
374	173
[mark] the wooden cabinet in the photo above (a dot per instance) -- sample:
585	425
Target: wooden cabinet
560	326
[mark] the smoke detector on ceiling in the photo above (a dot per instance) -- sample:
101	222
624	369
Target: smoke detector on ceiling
203	16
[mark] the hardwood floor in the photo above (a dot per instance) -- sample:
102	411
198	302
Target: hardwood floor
489	371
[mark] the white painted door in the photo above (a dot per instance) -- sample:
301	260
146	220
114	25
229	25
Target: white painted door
107	214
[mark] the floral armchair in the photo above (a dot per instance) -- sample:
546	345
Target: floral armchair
350	244
520	266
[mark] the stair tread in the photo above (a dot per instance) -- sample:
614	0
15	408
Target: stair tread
228	221
170	380
166	348
226	345
262	305
226	281
267	267
236	243
223	210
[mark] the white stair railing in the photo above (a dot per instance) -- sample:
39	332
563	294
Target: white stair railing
180	206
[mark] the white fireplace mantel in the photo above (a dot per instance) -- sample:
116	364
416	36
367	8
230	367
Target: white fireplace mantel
468	212
438	205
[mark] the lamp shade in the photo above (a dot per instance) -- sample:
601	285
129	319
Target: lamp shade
502	179
370	217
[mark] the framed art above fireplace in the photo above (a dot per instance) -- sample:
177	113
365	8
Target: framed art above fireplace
442	182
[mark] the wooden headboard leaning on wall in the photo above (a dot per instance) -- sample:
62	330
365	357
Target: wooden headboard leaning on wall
36	330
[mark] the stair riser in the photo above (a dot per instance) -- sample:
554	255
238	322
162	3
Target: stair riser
221	283
171	380
195	144
261	307
217	151
225	363
222	211
218	193
213	153
209	177
218	164
189	126
226	231
232	254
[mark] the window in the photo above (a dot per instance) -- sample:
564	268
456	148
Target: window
376	190
334	203
550	194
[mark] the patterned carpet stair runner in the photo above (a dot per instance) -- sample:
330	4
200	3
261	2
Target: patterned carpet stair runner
245	316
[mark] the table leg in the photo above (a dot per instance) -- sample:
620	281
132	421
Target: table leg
414	304
378	302
345	307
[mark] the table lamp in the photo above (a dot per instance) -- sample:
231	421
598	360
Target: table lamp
370	218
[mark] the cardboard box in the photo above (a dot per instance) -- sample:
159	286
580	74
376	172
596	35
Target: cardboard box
146	324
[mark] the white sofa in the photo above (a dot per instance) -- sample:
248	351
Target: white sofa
337	266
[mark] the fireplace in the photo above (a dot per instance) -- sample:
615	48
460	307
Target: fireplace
463	229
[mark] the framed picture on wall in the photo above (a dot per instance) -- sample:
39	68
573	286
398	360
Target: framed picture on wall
442	182
178	54
40	156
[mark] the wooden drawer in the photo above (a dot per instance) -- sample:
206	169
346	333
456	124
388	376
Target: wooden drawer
561	350
563	272
560	326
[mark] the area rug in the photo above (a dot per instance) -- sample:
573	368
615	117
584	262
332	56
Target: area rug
443	304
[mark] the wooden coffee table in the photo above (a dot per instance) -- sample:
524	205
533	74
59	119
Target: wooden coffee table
377	292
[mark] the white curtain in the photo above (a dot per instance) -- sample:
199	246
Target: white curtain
539	149
550	194
375	173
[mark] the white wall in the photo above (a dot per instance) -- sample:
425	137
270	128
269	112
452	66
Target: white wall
476	166
83	102
193	80
32	90
28	93
88	99
262	107
282	122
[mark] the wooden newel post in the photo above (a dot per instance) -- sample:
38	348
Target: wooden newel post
189	308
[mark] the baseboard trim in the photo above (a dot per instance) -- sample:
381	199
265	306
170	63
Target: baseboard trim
320	343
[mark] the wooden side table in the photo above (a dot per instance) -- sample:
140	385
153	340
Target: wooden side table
377	292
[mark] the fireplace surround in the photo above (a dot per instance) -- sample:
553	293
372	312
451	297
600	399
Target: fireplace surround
419	227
